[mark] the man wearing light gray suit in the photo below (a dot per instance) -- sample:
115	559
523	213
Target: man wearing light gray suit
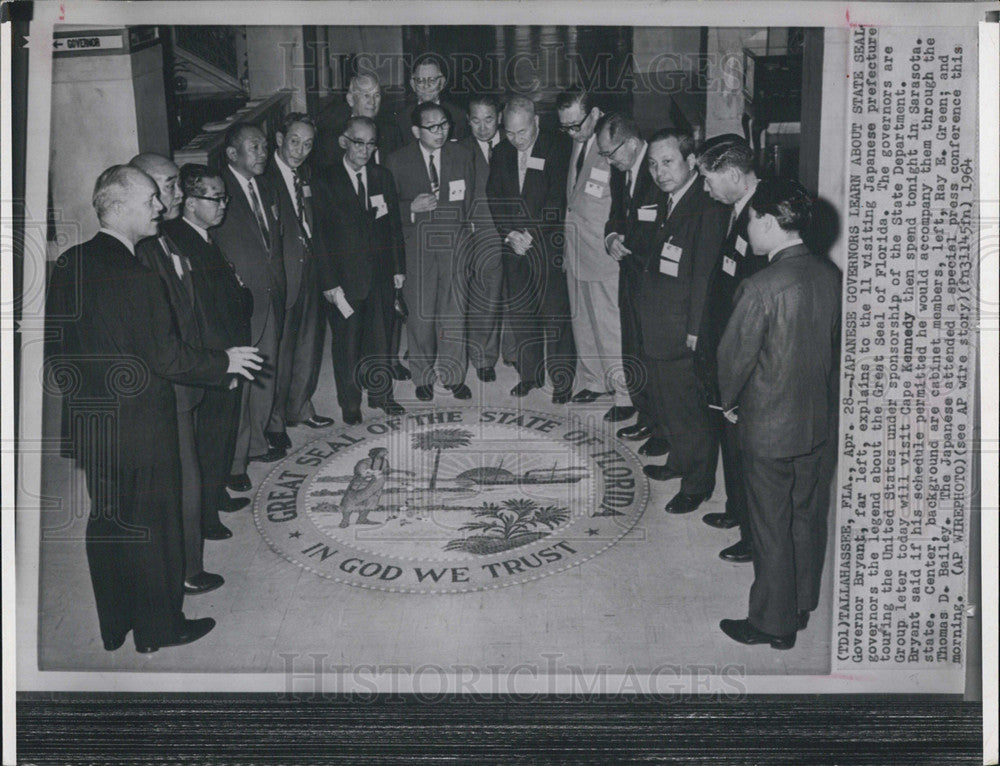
591	274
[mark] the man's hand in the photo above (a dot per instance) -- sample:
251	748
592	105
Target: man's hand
730	414
243	360
520	241
691	342
616	246
424	203
331	294
397	281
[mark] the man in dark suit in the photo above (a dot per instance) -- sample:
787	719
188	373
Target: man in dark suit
726	163
360	260
363	99
250	238
673	286
301	350
162	257
435	182
427	80
631	223
776	366
114	354
527	193
225	310
485	260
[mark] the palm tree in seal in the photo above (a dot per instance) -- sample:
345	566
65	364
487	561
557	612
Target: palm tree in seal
440	439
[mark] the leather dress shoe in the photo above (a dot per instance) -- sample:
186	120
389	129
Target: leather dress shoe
460	391
203	582
399	372
802	621
278	439
351	417
115	642
745	633
388	406
739	553
586	396
660	472
486	374
316	421
561	397
233	504
634	432
425	393
619	413
270	456
190	631
682	502
720	520
655	447
523	388
216	532
239	482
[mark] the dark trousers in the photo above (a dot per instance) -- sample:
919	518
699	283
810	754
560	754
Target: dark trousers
483	303
299	358
134	545
190	493
216	421
360	349
789	537
732	471
636	371
258	397
682	410
539	312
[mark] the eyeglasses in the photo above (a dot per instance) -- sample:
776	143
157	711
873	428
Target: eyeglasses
437	127
574	127
426	82
609	155
224	200
358	142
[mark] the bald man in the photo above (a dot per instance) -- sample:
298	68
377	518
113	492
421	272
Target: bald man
363	99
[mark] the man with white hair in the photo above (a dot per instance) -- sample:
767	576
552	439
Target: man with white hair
363	99
113	357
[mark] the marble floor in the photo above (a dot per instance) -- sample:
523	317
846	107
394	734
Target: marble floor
653	599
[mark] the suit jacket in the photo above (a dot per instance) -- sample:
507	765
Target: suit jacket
481	215
588	206
226	305
184	304
778	352
736	262
456	116
451	218
355	248
116	349
330	126
539	207
671	305
624	215
296	248
259	266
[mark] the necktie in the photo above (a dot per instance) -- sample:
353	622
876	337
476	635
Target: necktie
579	162
181	265
258	211
362	192
489	154
435	179
300	203
732	222
628	188
522	169
670	206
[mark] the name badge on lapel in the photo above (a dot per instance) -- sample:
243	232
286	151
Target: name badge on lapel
536	163
647	213
274	212
741	245
456	190
601	176
729	266
594	189
379	205
307	190
670	258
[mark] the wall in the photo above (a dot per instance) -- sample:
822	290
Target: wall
724	101
276	61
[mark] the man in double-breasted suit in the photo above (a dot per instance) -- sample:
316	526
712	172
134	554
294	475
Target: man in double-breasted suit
727	167
591	275
527	193
484	253
427	80
250	238
630	224
161	256
300	351
435	182
363	99
673	286
777	361
360	261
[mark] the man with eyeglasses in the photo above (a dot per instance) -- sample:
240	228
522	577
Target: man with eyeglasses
250	238
527	193
428	80
301	349
363	99
592	277
435	182
360	260
224	310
